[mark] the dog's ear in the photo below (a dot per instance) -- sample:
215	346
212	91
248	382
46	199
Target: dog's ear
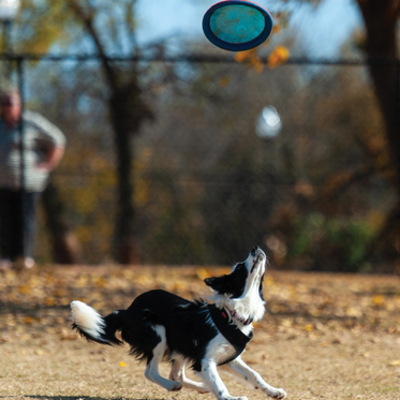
218	284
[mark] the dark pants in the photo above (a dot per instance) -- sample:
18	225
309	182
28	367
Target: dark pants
17	223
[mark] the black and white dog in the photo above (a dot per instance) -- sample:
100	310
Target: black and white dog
161	325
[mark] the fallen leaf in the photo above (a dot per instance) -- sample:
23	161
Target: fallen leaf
49	301
309	327
378	300
23	289
28	320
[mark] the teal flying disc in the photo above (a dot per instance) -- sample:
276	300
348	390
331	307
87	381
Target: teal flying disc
237	25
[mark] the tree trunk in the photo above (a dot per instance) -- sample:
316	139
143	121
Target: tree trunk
125	251
127	112
380	17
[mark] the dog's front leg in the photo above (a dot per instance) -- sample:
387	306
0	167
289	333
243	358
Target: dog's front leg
210	376
243	371
178	374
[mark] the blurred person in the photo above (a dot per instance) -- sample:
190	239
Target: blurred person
43	149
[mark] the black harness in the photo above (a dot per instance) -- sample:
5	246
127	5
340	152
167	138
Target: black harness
229	331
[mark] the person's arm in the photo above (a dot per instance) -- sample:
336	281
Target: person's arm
50	140
53	158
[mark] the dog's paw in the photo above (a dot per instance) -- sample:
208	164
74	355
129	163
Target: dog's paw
233	398
176	386
280	394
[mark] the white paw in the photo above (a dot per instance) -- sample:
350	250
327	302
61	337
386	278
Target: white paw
279	394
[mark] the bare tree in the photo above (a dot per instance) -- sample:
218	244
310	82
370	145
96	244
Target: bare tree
128	111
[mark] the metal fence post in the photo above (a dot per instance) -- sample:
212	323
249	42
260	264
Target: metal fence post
20	74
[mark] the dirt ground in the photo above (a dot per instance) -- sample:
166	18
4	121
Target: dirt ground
324	336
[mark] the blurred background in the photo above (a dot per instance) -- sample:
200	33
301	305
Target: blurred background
182	153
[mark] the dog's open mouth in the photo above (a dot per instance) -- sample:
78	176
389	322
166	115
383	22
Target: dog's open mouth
244	321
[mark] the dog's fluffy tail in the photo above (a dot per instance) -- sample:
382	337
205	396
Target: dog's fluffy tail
90	324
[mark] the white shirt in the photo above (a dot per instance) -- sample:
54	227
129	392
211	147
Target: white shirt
39	136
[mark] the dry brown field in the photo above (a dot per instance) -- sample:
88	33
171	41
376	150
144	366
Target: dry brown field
324	336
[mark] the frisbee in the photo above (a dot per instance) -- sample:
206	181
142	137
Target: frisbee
237	25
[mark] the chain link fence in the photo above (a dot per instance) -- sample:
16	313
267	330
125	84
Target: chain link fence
206	187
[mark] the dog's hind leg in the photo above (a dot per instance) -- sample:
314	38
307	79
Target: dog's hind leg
178	374
210	376
240	369
152	373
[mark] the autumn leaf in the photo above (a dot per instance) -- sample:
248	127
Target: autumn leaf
242	56
394	363
23	289
251	58
101	281
223	81
49	301
378	300
278	56
276	29
28	320
309	327
258	66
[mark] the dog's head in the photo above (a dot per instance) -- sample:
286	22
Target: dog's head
241	292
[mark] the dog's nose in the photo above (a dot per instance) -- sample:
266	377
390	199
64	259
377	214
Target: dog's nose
255	250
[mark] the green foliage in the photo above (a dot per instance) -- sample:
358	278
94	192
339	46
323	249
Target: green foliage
41	24
336	241
44	24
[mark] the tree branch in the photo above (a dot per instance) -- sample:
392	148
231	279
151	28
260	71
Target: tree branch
87	20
